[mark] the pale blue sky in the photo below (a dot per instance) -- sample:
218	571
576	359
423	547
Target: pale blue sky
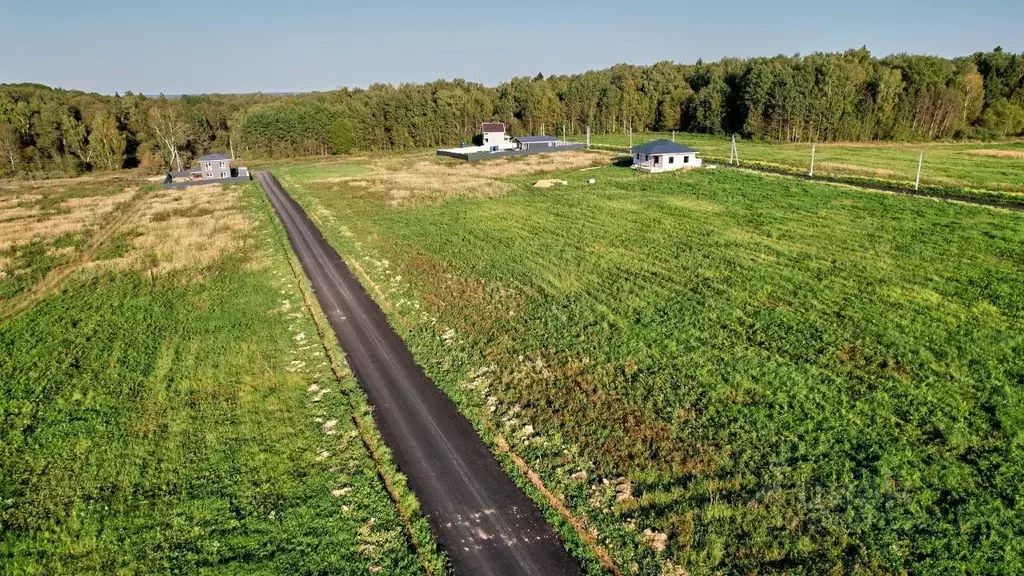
149	47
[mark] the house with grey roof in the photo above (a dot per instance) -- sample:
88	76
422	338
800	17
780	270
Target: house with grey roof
535	142
498	144
215	166
664	156
212	169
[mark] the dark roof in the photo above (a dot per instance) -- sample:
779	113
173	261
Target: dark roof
529	139
662	147
493	127
209	157
184	173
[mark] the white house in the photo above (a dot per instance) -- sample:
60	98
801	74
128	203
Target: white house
494	134
664	156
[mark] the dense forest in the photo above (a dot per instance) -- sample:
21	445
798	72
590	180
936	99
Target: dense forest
819	97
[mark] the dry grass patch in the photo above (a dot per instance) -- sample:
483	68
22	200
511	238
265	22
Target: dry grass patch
15	212
424	178
72	216
882	172
17	200
1011	154
114	179
185	228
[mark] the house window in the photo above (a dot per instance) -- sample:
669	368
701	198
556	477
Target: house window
223	174
222	165
671	159
686	159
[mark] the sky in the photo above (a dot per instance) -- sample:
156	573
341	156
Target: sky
234	46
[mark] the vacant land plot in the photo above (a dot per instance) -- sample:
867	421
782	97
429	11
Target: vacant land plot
170	409
47	226
724	372
995	167
423	178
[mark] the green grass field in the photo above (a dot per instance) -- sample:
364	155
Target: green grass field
778	376
158	409
984	166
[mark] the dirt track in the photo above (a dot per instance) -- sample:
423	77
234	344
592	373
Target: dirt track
481	518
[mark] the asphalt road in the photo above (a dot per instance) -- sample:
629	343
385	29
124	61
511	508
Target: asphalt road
481	518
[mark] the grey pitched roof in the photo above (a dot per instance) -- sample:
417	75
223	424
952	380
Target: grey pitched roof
535	139
210	157
662	147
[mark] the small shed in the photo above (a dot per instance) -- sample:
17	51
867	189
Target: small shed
664	156
533	142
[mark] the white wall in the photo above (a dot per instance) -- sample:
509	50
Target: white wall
495	138
677	162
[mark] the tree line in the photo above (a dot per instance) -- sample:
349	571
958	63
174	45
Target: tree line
819	97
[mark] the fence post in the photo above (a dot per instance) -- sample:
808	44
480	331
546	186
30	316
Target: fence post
920	159
673	135
588	137
813	146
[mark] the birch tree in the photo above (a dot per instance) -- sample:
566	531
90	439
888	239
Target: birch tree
106	142
171	131
10	146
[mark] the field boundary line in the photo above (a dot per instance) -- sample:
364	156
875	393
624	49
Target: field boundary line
1017	206
380	293
55	278
432	561
580	526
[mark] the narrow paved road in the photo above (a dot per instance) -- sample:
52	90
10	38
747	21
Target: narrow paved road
481	518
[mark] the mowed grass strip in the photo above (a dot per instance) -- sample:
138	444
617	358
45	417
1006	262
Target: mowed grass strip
164	423
986	166
776	376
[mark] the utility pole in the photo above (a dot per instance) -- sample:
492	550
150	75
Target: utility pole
734	152
563	132
588	137
673	135
813	146
920	159
630	134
